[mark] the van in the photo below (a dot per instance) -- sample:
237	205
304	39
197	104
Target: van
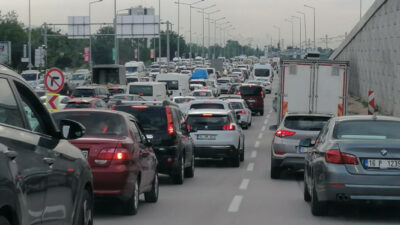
254	97
177	83
135	69
32	77
150	91
262	72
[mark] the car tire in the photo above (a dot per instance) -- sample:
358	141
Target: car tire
179	172
236	160
4	221
262	113
318	208
275	172
85	210
152	195
132	204
189	172
307	196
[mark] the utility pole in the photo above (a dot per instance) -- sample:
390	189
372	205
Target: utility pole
159	30
313	8
116	50
30	39
296	17
291	21
326	41
305	28
168	55
178	50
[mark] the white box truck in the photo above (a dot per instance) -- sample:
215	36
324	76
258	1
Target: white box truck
313	86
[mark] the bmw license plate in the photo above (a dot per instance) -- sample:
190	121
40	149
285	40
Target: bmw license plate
205	137
382	163
85	153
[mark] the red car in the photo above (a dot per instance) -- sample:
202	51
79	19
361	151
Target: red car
254	97
122	160
84	103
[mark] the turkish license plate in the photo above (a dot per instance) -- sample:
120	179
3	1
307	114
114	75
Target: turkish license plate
205	137
85	153
382	163
302	150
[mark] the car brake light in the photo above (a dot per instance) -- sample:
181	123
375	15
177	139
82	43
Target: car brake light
106	154
207	115
239	93
170	126
228	127
262	93
242	111
279	153
284	133
114	107
140	106
121	154
337	157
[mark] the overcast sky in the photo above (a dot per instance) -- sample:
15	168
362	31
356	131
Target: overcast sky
253	20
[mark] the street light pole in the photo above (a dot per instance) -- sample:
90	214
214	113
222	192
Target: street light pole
30	39
90	33
209	30
159	31
291	21
305	28
299	18
116	50
203	12
279	36
313	8
178	50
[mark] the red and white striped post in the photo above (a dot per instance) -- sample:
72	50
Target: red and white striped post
371	103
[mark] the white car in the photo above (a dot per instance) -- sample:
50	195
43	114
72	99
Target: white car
216	134
205	93
63	101
241	108
183	102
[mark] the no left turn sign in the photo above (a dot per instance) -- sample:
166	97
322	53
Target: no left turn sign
54	80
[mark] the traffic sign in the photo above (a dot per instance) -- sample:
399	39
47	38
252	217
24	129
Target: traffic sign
54	80
52	102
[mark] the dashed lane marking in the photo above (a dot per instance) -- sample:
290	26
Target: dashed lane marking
257	144
263	128
253	154
260	135
235	204
244	184
250	167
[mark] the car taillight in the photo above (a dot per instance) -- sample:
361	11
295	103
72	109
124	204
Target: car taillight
262	93
140	106
242	111
284	133
113	107
170	123
337	157
106	154
239	93
119	154
228	127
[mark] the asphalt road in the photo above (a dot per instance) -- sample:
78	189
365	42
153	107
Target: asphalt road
222	195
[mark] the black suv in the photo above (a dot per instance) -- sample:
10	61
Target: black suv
92	92
163	123
43	178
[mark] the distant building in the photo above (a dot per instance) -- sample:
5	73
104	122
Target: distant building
373	49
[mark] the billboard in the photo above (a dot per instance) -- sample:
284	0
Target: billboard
78	27
5	52
135	26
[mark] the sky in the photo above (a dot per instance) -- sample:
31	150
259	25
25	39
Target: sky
253	20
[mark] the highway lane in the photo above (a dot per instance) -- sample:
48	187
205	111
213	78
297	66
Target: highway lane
222	195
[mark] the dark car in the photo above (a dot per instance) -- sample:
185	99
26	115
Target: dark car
254	97
234	89
43	178
355	158
91	92
83	103
122	160
163	123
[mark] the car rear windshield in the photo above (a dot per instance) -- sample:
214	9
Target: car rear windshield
141	90
96	123
151	118
207	122
207	106
250	91
202	94
198	82
171	84
77	105
210	71
367	130
308	123
222	81
83	93
182	100
116	91
261	72
132	80
236	105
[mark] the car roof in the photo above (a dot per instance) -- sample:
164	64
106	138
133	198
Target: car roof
147	83
366	117
178	97
251	85
90	87
207	101
205	90
212	111
308	114
235	100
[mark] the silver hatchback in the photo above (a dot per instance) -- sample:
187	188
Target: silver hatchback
285	150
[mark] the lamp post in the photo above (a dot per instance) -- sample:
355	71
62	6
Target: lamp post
313	8
291	21
215	34
279	36
202	11
296	17
159	30
29	39
305	28
116	50
209	30
90	33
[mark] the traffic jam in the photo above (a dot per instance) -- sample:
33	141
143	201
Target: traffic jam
111	136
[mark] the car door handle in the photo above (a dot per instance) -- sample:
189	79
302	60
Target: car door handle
11	154
49	161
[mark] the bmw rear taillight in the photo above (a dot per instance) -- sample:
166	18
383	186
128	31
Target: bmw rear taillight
228	127
284	133
337	157
170	123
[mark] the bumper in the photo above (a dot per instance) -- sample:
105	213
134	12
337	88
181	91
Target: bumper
215	152
114	181
296	163
256	108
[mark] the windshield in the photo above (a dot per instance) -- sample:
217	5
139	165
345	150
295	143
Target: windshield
96	123
77	105
182	100
115	91
307	123
171	84
207	106
222	81
202	94
250	91
206	122
29	76
83	93
141	90
77	77
210	71
132	79
236	105
198	82
152	119
367	130
261	72
131	69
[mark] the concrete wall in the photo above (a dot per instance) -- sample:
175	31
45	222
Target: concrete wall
373	49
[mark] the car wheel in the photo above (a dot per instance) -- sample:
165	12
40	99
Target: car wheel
179	173
275	172
152	195
307	196
236	160
132	205
85	211
4	221
262	113
189	172
318	208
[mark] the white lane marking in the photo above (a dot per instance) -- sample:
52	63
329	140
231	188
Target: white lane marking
250	167
257	144
266	121
263	128
268	116
260	135
253	154
244	184
235	204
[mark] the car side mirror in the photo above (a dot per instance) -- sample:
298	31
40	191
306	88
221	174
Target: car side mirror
273	127
148	143
71	130
306	143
